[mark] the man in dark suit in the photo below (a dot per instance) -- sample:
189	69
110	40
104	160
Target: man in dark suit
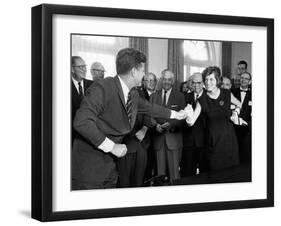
243	129
242	66
106	114
132	166
167	140
194	156
79	85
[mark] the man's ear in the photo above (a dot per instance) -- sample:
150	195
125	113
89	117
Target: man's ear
133	72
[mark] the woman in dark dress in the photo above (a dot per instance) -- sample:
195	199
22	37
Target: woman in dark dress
221	141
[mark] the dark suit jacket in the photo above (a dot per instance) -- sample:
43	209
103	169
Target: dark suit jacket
102	114
76	101
246	109
173	137
194	136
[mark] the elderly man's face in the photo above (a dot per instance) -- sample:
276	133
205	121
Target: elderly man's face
149	82
226	83
97	74
197	83
167	80
79	69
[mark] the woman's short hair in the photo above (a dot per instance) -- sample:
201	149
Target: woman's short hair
210	70
127	59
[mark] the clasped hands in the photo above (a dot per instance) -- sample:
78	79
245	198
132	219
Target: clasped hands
186	113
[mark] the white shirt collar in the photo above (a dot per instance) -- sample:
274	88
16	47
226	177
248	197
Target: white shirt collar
167	94
199	95
125	89
77	85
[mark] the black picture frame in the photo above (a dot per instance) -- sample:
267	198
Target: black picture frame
42	86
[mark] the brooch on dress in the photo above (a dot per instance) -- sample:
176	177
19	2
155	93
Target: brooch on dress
221	103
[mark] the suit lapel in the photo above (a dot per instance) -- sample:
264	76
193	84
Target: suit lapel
171	98
134	96
159	97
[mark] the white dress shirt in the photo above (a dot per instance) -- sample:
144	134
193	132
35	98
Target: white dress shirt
167	95
77	85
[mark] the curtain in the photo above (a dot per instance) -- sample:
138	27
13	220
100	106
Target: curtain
226	59
140	44
176	60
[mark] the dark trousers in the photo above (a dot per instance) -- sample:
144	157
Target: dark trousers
132	166
150	170
110	182
244	138
193	158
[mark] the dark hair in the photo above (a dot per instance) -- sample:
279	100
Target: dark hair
243	62
212	69
127	59
181	86
74	59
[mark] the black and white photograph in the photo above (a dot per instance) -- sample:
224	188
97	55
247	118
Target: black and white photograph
159	112
139	112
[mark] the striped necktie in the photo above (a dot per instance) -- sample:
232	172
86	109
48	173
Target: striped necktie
129	107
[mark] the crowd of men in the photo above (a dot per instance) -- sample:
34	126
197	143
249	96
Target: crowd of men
126	135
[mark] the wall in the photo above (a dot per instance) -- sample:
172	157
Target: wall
241	51
15	120
158	55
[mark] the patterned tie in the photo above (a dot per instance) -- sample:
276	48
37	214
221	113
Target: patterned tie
80	90
129	107
164	99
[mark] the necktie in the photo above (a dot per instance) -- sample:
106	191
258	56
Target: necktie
80	90
195	101
129	107
164	99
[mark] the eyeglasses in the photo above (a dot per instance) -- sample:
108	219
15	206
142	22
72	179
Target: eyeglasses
248	79
80	66
197	83
97	70
149	80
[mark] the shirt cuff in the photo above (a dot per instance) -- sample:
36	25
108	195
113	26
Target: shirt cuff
173	116
107	145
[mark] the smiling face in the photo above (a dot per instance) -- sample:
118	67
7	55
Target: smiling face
226	83
197	83
149	82
245	80
211	83
167	80
79	69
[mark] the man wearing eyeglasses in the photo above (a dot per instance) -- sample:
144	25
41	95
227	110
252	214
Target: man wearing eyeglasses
97	71
108	113
79	85
194	156
243	129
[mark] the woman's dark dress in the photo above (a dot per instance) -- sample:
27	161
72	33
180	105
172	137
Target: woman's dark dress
222	143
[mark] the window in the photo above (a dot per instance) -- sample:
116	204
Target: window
98	48
200	54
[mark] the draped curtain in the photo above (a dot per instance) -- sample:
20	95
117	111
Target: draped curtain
226	59
140	44
176	60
